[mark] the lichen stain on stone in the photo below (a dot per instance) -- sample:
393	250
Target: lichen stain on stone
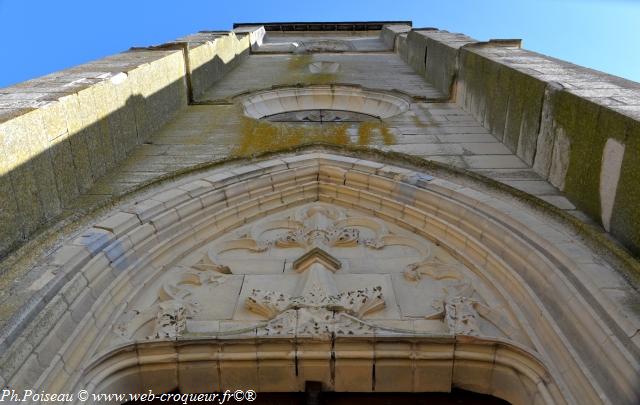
418	122
297	62
367	129
298	69
387	137
320	78
625	222
258	136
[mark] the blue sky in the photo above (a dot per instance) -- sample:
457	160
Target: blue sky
40	37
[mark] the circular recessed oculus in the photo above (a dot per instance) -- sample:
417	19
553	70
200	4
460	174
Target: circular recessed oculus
324	67
331	100
319	116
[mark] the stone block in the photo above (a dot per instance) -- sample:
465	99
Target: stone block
158	90
94	239
277	368
127	137
119	223
77	142
506	101
14	357
241	371
81	307
165	220
468	372
103	310
146	209
77	348
625	218
390	32
197	188
159	377
171	197
54	121
45	321
65	174
140	234
353	366
10	221
198	376
101	282
127	380
494	162
416	57
23	157
393	367
559	160
29	371
47	349
107	123
70	257
65	326
612	156
314	362
118	248
90	132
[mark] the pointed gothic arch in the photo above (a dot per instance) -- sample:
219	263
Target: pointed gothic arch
536	339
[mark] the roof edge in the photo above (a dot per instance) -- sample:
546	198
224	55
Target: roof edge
324	26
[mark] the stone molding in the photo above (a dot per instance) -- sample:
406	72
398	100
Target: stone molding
402	364
562	310
324	97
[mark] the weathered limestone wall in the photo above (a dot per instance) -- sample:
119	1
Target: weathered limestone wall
213	54
433	54
506	101
578	128
592	152
60	133
389	34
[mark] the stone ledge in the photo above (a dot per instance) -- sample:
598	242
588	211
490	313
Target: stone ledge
61	133
554	115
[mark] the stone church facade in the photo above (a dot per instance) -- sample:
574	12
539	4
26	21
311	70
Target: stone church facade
368	206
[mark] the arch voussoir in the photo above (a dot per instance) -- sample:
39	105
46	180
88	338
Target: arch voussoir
540	327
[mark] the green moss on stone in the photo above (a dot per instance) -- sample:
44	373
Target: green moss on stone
588	126
625	222
506	101
579	119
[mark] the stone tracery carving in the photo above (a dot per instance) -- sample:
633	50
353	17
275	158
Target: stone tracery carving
461	316
433	268
315	226
175	303
455	306
462	313
318	308
171	320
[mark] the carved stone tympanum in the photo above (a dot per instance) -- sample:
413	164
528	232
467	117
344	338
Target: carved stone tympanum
324	253
318	308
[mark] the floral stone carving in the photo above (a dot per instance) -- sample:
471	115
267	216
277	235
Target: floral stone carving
175	304
317	226
318	308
